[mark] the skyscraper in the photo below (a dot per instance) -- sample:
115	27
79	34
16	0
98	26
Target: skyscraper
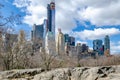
37	32
69	39
60	43
45	28
79	50
107	44
51	17
98	47
49	43
37	36
45	31
66	36
72	41
50	29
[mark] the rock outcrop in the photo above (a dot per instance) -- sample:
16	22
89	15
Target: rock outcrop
21	74
79	73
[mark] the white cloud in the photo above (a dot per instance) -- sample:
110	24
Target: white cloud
115	47
82	42
96	33
102	12
37	12
21	3
98	12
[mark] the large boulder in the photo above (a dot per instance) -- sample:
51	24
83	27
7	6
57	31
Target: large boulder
21	74
95	73
78	73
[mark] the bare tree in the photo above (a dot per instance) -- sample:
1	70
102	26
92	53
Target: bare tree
22	50
46	59
15	51
6	39
6	50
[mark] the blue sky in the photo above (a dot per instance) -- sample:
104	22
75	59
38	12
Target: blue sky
10	8
85	19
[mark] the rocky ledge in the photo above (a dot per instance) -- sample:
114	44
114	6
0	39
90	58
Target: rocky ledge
78	73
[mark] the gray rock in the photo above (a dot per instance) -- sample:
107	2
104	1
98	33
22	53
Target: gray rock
78	73
21	73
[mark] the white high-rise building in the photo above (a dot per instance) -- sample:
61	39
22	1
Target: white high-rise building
50	43
60	43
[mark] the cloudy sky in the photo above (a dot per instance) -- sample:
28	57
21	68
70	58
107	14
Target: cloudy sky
86	20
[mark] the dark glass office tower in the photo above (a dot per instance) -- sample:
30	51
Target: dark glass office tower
98	47
107	43
37	32
51	17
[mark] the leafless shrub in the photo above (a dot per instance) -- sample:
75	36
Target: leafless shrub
101	61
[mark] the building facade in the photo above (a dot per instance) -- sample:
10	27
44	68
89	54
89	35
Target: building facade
37	36
60	43
45	31
73	51
84	48
50	29
69	39
51	18
107	44
45	28
79	48
50	44
98	47
66	36
67	48
72	41
37	32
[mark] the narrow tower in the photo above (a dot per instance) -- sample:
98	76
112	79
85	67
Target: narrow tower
51	17
50	29
60	43
107	45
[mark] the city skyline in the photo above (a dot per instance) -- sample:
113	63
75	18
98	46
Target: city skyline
84	21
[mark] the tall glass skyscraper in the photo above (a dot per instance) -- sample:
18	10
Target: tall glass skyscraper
37	36
98	47
107	43
50	29
37	32
51	17
45	28
49	43
69	39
